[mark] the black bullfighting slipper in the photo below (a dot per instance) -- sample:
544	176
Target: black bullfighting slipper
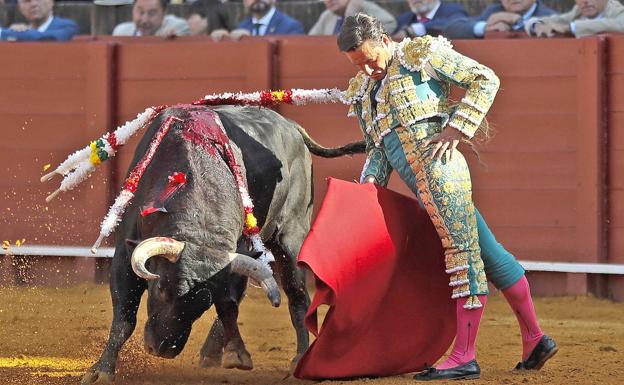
468	371
544	350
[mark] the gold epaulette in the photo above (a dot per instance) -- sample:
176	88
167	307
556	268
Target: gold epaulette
413	54
357	88
355	92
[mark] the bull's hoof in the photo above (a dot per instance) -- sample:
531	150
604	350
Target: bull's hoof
237	360
210	361
96	377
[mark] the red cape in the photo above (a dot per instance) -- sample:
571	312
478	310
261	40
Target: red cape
379	265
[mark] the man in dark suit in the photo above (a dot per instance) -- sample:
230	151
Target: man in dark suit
267	20
506	16
427	17
42	25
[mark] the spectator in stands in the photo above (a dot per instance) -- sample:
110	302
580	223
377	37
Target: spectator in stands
209	17
506	16
588	17
427	17
330	21
42	24
265	20
149	18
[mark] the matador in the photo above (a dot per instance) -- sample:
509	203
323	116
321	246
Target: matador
401	99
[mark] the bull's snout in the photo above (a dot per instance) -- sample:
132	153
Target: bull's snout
162	348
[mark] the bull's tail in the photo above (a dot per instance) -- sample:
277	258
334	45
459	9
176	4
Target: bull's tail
318	150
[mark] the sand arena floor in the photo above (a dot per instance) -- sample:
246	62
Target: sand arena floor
51	336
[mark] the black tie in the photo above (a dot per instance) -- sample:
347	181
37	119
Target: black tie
256	29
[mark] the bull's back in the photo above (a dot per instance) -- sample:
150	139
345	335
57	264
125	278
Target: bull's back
265	127
274	153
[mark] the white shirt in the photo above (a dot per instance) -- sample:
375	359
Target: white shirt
44	26
264	21
479	27
419	28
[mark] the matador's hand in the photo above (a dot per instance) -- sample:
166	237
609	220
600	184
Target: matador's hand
448	139
369	179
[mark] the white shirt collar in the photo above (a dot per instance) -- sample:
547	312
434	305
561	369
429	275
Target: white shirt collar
598	16
264	20
527	15
44	26
432	13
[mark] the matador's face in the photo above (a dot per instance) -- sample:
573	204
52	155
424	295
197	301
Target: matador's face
373	57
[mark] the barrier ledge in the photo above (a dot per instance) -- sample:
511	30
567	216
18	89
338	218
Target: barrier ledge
108	252
58	251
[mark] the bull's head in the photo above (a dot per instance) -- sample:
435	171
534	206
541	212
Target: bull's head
172	305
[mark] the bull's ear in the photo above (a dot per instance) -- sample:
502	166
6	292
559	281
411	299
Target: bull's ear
255	254
251	253
242	248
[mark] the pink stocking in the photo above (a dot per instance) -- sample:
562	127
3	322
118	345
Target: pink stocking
468	321
519	298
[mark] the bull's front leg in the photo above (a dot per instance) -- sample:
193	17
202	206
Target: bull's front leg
211	353
294	283
235	355
126	290
224	345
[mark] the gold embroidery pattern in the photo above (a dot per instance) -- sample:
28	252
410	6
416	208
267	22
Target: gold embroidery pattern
445	189
384	118
367	114
356	89
403	97
444	186
452	67
414	54
377	165
480	82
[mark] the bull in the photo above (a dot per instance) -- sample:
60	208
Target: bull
190	253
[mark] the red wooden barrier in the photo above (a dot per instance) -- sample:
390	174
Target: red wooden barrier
615	119
542	190
55	99
156	71
316	63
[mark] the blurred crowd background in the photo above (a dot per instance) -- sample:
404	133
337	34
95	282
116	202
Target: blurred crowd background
42	20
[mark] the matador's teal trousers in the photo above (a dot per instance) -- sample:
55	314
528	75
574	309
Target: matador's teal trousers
501	268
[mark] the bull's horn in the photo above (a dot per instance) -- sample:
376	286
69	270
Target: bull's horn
244	265
167	247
